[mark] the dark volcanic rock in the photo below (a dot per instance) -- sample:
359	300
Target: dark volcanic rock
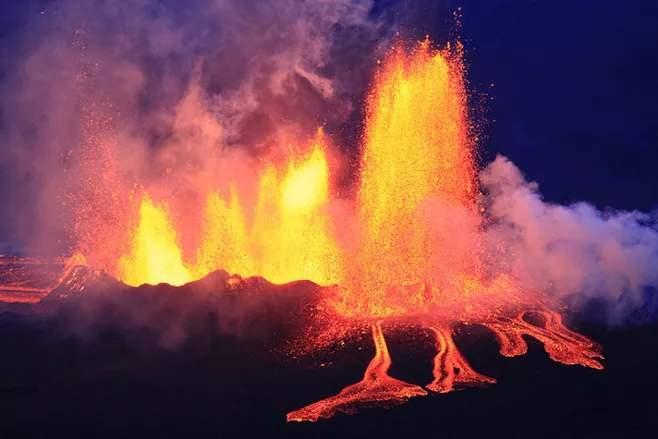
210	358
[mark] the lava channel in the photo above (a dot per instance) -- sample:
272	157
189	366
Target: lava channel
376	388
451	370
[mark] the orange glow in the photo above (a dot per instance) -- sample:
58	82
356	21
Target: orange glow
29	280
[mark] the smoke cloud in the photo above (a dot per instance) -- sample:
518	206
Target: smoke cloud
573	252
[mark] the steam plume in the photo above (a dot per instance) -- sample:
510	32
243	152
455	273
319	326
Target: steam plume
572	251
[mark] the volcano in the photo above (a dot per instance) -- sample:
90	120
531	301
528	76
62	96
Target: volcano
256	296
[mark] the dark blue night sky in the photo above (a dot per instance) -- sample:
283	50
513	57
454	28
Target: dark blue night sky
575	94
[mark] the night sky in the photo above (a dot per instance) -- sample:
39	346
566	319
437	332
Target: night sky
575	94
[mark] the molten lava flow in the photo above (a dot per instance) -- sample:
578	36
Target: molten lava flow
155	255
450	367
376	387
29	280
561	344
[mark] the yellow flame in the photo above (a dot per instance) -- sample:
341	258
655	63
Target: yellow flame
305	186
155	255
289	237
291	227
225	241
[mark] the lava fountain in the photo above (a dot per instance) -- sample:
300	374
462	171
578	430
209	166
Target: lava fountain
417	156
284	238
419	259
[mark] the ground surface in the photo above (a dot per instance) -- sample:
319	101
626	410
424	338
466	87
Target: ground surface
204	361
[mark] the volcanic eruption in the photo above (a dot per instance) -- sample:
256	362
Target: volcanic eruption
408	249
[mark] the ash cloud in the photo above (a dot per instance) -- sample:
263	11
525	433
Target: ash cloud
577	253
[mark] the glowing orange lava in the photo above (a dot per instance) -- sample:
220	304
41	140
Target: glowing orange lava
450	367
29	280
561	344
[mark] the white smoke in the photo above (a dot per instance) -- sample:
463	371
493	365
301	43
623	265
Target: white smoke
568	251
